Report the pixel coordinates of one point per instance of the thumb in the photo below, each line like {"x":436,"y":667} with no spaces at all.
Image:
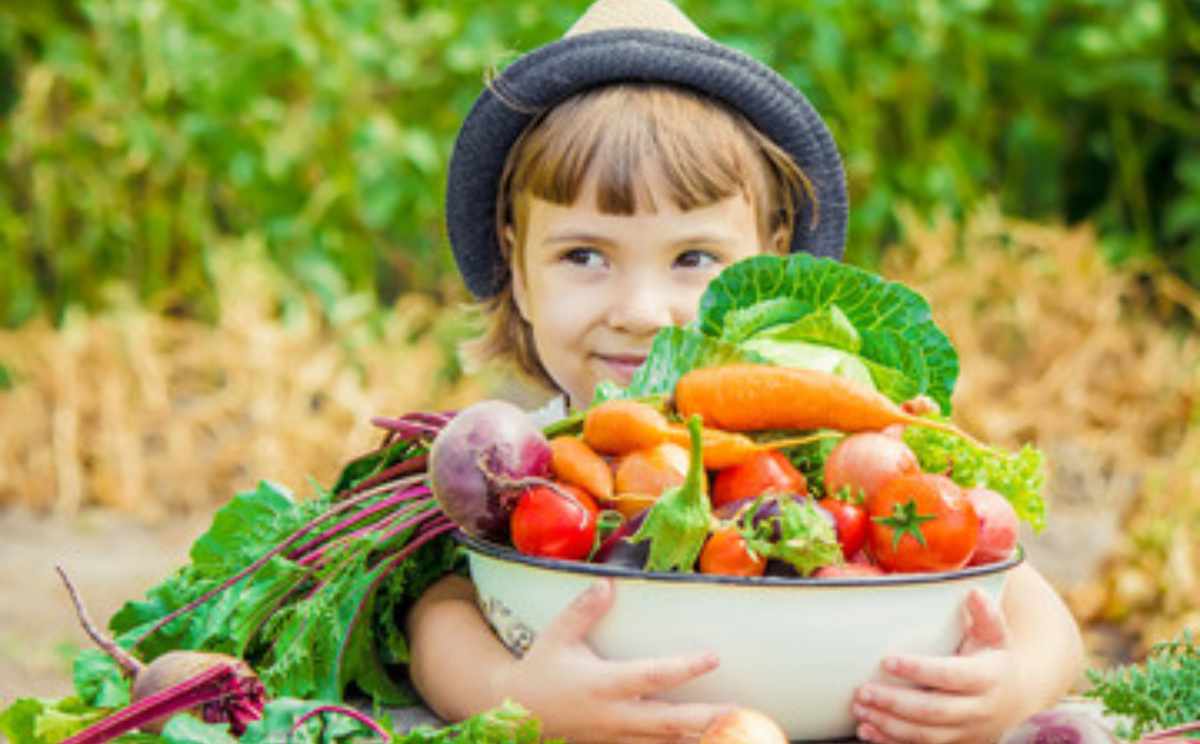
{"x":579,"y":617}
{"x":985,"y":623}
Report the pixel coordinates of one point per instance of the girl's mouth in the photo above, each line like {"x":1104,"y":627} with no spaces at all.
{"x":622,"y":365}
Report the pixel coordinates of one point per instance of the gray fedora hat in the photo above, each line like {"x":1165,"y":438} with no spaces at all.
{"x":622,"y":41}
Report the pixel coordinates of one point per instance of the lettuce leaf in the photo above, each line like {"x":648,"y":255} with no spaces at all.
{"x":1018,"y":476}
{"x":675,"y":351}
{"x":765,"y":303}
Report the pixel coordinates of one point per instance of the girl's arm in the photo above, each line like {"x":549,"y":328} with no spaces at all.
{"x":461,"y":669}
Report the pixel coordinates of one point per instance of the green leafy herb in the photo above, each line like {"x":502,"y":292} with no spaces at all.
{"x":678,"y":523}
{"x":806,"y":539}
{"x":1018,"y":476}
{"x":507,"y":724}
{"x":1162,"y":692}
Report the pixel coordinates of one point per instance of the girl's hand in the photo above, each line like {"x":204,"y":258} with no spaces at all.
{"x":582,"y":697}
{"x":969,"y":698}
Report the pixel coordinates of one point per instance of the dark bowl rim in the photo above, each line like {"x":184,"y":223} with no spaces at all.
{"x":509,"y":555}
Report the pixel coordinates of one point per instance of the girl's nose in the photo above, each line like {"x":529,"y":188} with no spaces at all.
{"x":640,"y":308}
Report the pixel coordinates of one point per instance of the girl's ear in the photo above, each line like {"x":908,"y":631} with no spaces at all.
{"x":519,"y":290}
{"x":778,"y":243}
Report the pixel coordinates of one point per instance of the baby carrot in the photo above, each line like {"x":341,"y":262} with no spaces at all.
{"x":755,"y":397}
{"x":574,"y":462}
{"x":723,"y":449}
{"x":615,"y":427}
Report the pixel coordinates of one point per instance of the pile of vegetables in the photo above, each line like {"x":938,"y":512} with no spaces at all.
{"x":799,"y":427}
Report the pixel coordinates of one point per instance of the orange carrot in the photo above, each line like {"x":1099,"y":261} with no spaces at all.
{"x":572,"y":461}
{"x":615,"y":427}
{"x":755,"y":397}
{"x":642,"y":476}
{"x":723,"y":449}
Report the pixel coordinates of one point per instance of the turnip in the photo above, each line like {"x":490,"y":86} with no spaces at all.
{"x":480,"y":461}
{"x":997,"y":526}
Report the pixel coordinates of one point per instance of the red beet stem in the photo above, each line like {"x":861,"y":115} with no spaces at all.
{"x":406,"y":429}
{"x":402,"y":494}
{"x":411,"y":465}
{"x":408,"y":523}
{"x":210,"y":685}
{"x":1185,"y":728}
{"x":294,"y":537}
{"x":433,"y":529}
{"x":344,"y":711}
{"x":321,"y":550}
{"x":131,"y":665}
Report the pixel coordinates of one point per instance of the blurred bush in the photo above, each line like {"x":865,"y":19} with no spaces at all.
{"x":138,"y":133}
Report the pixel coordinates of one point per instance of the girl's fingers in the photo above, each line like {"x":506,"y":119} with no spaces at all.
{"x":631,"y":679}
{"x":574,"y":622}
{"x":880,"y":728}
{"x":986,"y":626}
{"x":670,"y":721}
{"x":969,"y":675}
{"x":918,"y":706}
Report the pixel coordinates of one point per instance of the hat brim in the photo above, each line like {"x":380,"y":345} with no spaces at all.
{"x":550,"y":74}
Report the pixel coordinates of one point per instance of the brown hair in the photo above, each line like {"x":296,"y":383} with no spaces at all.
{"x":707,"y":152}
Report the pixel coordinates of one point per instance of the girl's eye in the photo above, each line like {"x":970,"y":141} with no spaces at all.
{"x":585,"y":257}
{"x":696,"y":259}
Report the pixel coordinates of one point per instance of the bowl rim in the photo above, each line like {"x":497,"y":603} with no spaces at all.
{"x":509,"y":555}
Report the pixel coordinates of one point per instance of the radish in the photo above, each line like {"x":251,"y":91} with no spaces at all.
{"x":480,"y":461}
{"x":864,"y":462}
{"x":997,"y":526}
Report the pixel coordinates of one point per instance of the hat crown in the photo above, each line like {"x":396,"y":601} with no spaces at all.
{"x":654,"y":15}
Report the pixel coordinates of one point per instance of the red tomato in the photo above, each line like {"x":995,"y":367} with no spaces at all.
{"x":863,"y":462}
{"x":922,"y":522}
{"x":850,"y":521}
{"x":548,"y":524}
{"x":766,"y":471}
{"x":725,"y":553}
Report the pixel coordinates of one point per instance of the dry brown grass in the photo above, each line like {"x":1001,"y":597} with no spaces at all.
{"x":151,"y":415}
{"x":1100,"y":368}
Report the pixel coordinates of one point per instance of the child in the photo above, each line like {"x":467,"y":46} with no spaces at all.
{"x":596,"y":188}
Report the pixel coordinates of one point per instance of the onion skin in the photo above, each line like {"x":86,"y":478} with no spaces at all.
{"x":743,"y":726}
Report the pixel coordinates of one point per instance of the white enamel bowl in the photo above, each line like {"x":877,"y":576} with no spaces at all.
{"x":794,"y":649}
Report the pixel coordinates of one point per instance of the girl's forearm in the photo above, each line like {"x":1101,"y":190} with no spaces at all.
{"x":455,"y":656}
{"x":1045,"y":636}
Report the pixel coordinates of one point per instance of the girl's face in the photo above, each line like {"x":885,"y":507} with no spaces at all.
{"x":596,"y":287}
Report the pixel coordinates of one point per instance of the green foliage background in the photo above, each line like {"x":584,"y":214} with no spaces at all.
{"x":139,"y":137}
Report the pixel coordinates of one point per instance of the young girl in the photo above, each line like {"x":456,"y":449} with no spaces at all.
{"x":596,"y":188}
